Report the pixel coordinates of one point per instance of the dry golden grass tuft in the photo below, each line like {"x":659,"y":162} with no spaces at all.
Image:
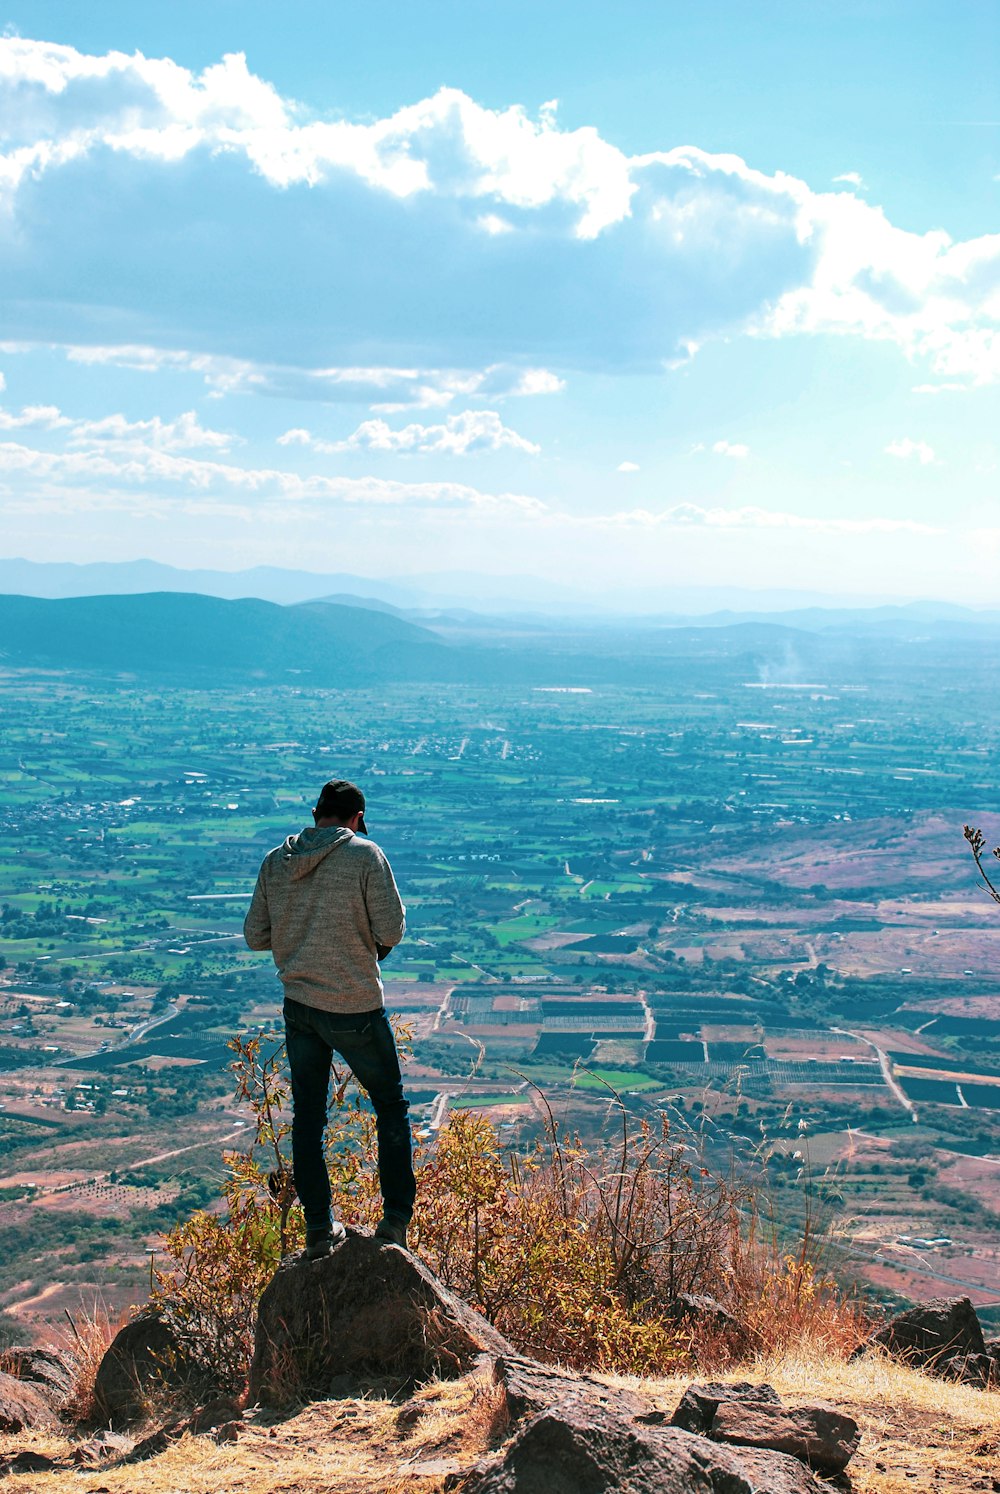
{"x":91,"y":1332}
{"x":920,"y":1435}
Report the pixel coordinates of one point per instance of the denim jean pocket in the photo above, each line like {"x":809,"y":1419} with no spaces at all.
{"x":350,"y":1037}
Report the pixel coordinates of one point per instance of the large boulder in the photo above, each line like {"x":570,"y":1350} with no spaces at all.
{"x":941,"y":1329}
{"x":570,"y":1449}
{"x":145,"y":1359}
{"x":23,"y":1404}
{"x":367,"y":1310}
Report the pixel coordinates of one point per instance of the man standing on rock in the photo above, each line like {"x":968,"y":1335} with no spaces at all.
{"x":327,"y":907}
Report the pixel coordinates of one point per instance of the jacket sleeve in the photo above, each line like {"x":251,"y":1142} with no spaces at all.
{"x":257,"y":924}
{"x":386,"y":913}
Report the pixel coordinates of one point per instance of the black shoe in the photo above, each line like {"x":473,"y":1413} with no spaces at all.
{"x":393,"y":1229}
{"x":320,"y":1242}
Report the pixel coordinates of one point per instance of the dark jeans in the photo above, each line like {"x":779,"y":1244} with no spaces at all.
{"x":365,"y":1042}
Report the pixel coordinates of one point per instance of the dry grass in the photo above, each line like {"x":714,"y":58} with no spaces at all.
{"x":90,"y":1332}
{"x":920,"y":1435}
{"x":330,"y":1447}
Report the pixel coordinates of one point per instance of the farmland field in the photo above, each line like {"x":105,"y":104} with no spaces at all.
{"x":750,"y":936}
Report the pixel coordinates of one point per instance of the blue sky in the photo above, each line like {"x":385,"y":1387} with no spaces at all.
{"x":633,"y":298}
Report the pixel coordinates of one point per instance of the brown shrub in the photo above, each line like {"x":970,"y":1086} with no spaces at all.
{"x":577,"y":1256}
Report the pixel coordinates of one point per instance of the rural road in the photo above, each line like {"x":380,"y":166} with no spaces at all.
{"x":885,"y":1066}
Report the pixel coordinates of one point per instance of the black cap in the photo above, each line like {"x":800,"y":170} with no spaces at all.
{"x":340,"y":800}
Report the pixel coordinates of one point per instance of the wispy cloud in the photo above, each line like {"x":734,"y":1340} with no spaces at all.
{"x":735,"y":449}
{"x":384,"y":388}
{"x":627,"y":467}
{"x":147,"y":467}
{"x":694,"y":516}
{"x":183,"y":434}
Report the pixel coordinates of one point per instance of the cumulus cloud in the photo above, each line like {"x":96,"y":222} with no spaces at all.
{"x":851,"y":179}
{"x":33,"y":417}
{"x":64,"y":104}
{"x":627,"y":467}
{"x":540,"y":242}
{"x":183,"y":434}
{"x":908,"y":450}
{"x":735,"y":449}
{"x":473,"y":430}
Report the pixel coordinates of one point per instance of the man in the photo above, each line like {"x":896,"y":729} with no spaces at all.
{"x":327,"y":907}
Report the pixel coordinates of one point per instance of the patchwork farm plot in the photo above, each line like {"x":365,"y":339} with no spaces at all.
{"x":724,"y":902}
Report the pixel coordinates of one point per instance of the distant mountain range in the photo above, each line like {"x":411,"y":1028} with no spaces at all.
{"x":203,"y":640}
{"x":466,"y":598}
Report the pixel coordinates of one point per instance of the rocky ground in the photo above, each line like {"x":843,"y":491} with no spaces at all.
{"x":407,"y":1391}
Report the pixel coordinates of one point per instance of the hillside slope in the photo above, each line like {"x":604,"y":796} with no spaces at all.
{"x":180,"y":634}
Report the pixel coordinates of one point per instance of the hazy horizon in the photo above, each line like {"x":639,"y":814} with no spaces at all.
{"x":475,"y":592}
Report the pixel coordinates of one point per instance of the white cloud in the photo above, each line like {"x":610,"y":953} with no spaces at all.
{"x":692,"y":244}
{"x":145,"y":467}
{"x":627,"y":467}
{"x":33,"y":417}
{"x":909,"y":450}
{"x":473,"y":430}
{"x":387,"y":389}
{"x":694,"y":516}
{"x":69,"y":104}
{"x":851,"y":179}
{"x":735,"y":449}
{"x":183,"y":434}
{"x":298,"y":436}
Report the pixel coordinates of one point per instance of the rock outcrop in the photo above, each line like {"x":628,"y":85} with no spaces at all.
{"x":49,"y":1368}
{"x":145,"y":1358}
{"x":23,"y":1404}
{"x":943,"y":1337}
{"x":748,"y":1415}
{"x":34,"y":1383}
{"x":370,"y":1310}
{"x":367,"y":1308}
{"x":569,"y":1449}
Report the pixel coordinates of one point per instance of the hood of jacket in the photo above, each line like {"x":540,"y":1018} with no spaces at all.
{"x":305,"y":851}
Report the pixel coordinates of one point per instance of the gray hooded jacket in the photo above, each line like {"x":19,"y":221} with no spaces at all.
{"x":323,"y":901}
